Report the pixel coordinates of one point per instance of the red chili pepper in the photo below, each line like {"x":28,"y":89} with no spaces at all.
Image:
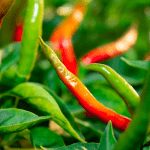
{"x":61,"y":37}
{"x":68,"y":56}
{"x":68,"y":27}
{"x":112,"y":49}
{"x":18,"y":33}
{"x":82,"y":94}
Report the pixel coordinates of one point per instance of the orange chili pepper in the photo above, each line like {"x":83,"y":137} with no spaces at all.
{"x":68,"y":27}
{"x":5,"y":6}
{"x":110,"y":50}
{"x":82,"y":94}
{"x":61,"y":37}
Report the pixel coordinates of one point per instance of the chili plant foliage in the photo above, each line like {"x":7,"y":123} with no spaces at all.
{"x":94,"y":93}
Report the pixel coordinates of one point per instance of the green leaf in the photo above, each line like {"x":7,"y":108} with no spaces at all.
{"x":53,"y":82}
{"x":137,"y":64}
{"x":76,"y":146}
{"x":10,"y":56}
{"x":108,"y":140}
{"x":41,"y":100}
{"x":98,"y":130}
{"x":65,"y":110}
{"x":14,"y":120}
{"x":75,"y":109}
{"x":42,"y":136}
{"x":10,"y":48}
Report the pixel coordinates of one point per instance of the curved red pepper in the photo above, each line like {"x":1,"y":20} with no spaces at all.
{"x":69,"y":26}
{"x":91,"y":105}
{"x":112,"y":49}
{"x":68,"y":56}
{"x":82,"y":94}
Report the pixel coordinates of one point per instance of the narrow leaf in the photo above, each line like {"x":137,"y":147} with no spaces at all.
{"x":108,"y":140}
{"x":46,"y":138}
{"x":65,"y":110}
{"x":137,"y":64}
{"x":10,"y":56}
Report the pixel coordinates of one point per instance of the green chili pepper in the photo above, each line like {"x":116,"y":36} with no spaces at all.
{"x":29,"y":46}
{"x":124,"y":89}
{"x":134,"y":136}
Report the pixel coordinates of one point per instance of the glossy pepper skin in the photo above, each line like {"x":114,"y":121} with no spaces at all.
{"x":134,"y":136}
{"x":29,"y":44}
{"x":110,"y":50}
{"x":125,"y":90}
{"x":82,"y":94}
{"x":5,"y":6}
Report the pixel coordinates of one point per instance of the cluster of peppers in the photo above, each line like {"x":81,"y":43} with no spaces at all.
{"x":67,"y":70}
{"x":61,"y":43}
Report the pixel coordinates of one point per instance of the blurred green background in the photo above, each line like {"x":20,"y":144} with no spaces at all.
{"x":104,"y":22}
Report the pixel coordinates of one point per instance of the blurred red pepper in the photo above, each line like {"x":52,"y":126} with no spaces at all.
{"x":18,"y":33}
{"x":69,"y":26}
{"x":61,"y":37}
{"x":110,"y":50}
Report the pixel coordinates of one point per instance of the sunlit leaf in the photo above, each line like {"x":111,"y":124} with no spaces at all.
{"x":41,"y":100}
